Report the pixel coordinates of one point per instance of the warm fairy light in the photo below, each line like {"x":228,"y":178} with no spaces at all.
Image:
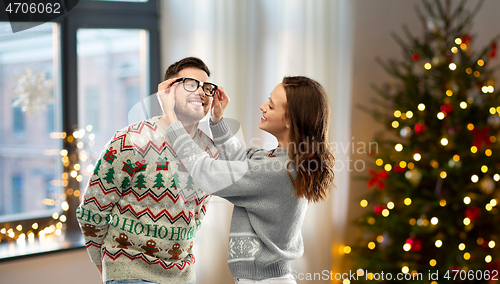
{"x":65,"y":206}
{"x":488,"y":259}
{"x":79,"y":145}
{"x":442,"y":203}
{"x":477,"y":74}
{"x":463,"y":46}
{"x":452,"y":66}
{"x":427,"y":66}
{"x":433,"y":262}
{"x":456,"y":158}
{"x":454,"y":49}
{"x":19,"y":227}
{"x":440,"y":115}
{"x":409,"y":114}
{"x":363,"y":203}
{"x":76,"y":167}
{"x":421,"y":107}
{"x":480,"y":241}
{"x":73,"y":174}
{"x":474,"y":178}
{"x":390,"y":205}
{"x":347,"y":249}
{"x":417,"y":157}
{"x":480,"y":62}
{"x":398,"y":147}
{"x":458,"y":41}
{"x":491,"y":89}
{"x":88,"y":128}
{"x":466,"y":256}
{"x":493,"y":110}
{"x":402,"y":164}
{"x":463,"y":105}
{"x":371,"y":245}
{"x":484,"y":168}
{"x":443,"y":174}
{"x":371,"y":220}
{"x":79,"y":178}
{"x":444,"y":141}
{"x":488,"y":207}
{"x":438,"y":243}
{"x":484,"y":89}
{"x":395,"y":124}
{"x":407,"y":247}
{"x":468,"y":70}
{"x":467,"y":200}
{"x":491,"y":244}
{"x":461,"y":246}
{"x":407,"y":201}
{"x":385,"y":212}
{"x":470,"y":126}
{"x":34,"y":226}
{"x":413,"y":221}
{"x":62,"y":218}
{"x":77,"y":193}
{"x":466,"y":221}
{"x":434,"y":220}
{"x":410,"y":165}
{"x":488,"y":152}
{"x":449,"y":93}
{"x":64,"y":152}
{"x":388,"y":167}
{"x":493,"y":202}
{"x":380,"y":238}
{"x":379,"y":162}
{"x":496,"y":177}
{"x":473,"y":149}
{"x":55,"y":216}
{"x":397,"y":113}
{"x":405,"y":269}
{"x":434,"y":164}
{"x":498,"y":110}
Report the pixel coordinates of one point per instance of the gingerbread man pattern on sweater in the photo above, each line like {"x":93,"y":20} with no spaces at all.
{"x":141,"y":209}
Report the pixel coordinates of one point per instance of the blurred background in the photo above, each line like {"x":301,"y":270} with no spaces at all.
{"x":66,"y":86}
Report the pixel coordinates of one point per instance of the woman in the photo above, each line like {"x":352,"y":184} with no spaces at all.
{"x":270,"y":190}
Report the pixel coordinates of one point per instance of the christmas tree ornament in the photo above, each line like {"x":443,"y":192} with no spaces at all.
{"x":487,"y":184}
{"x":414,"y":176}
{"x":377,"y":179}
{"x":32,"y":92}
{"x":473,"y":213}
{"x":377,"y":209}
{"x":481,"y":137}
{"x":415,"y":56}
{"x":420,"y":128}
{"x":405,"y":132}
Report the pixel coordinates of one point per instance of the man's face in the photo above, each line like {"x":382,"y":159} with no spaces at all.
{"x":191,"y":106}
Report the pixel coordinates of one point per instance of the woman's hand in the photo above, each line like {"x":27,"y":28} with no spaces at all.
{"x":166,"y":98}
{"x":219,"y":105}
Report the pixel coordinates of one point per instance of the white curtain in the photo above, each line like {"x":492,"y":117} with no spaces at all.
{"x":249,"y":46}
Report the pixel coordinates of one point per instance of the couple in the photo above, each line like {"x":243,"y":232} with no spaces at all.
{"x":150,"y":187}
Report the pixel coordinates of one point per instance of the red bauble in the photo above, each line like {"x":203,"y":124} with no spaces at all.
{"x":446,"y":109}
{"x":466,"y":39}
{"x":415,"y":244}
{"x":473,"y":213}
{"x":415,"y":56}
{"x":420,"y":128}
{"x":493,"y":50}
{"x":378,"y":209}
{"x":399,"y":170}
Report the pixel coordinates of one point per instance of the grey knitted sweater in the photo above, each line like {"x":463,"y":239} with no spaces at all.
{"x":267,"y":216}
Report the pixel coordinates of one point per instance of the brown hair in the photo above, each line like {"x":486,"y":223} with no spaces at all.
{"x":187,"y":62}
{"x":308,"y":110}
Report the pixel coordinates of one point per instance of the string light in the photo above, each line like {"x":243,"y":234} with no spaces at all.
{"x":467,"y":200}
{"x":442,"y":203}
{"x":496,"y":177}
{"x":363,"y":203}
{"x":474,"y":178}
{"x":454,"y":49}
{"x":466,"y":221}
{"x":405,"y":269}
{"x":379,"y":162}
{"x":463,"y":105}
{"x":444,"y":141}
{"x":432,"y":262}
{"x":473,"y":149}
{"x":493,"y":202}
{"x":407,"y":201}
{"x":390,"y":205}
{"x":409,"y":114}
{"x":466,"y":256}
{"x":488,"y":259}
{"x":440,"y":115}
{"x":434,"y":220}
{"x":468,"y":70}
{"x":461,"y":246}
{"x":417,"y":157}
{"x":449,"y":93}
{"x":421,"y":107}
{"x":452,"y":66}
{"x":371,"y":245}
{"x":388,"y":167}
{"x":458,"y":41}
{"x":491,"y":244}
{"x":427,"y":66}
{"x":398,"y":147}
{"x":395,"y":124}
{"x":397,"y":113}
{"x":438,"y":243}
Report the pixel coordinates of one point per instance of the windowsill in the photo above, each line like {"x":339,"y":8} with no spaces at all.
{"x":51,"y":244}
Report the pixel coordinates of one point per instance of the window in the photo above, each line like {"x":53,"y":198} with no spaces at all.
{"x":53,"y":130}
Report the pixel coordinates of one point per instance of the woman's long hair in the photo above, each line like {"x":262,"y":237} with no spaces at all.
{"x":310,"y":151}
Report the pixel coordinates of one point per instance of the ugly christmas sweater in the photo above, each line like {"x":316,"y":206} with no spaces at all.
{"x":142,"y":209}
{"x":267,"y":216}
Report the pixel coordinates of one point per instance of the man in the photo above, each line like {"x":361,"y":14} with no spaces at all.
{"x":141,"y":209}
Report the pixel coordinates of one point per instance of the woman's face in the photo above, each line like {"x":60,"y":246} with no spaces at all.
{"x":273,"y":118}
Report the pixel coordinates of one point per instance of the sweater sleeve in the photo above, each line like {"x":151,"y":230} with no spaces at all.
{"x":102,"y":193}
{"x":230,"y":147}
{"x":221,"y":178}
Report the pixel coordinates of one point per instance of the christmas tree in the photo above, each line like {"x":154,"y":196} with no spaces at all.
{"x":189,"y":183}
{"x":175,"y":183}
{"x":140,"y":182}
{"x":110,"y":176}
{"x":159,"y":181}
{"x":432,"y":206}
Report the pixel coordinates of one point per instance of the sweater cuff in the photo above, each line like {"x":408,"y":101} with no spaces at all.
{"x":175,"y":130}
{"x":220,"y":131}
{"x":95,"y":254}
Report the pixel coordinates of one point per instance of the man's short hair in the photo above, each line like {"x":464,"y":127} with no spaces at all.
{"x":187,"y":62}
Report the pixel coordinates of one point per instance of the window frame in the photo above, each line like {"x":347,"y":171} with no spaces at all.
{"x":92,"y":15}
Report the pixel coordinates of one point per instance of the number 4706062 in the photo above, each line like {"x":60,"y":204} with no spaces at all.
{"x":472,"y":275}
{"x":34,"y":8}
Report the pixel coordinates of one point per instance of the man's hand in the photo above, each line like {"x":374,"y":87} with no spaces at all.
{"x":166,"y":97}
{"x":219,"y":105}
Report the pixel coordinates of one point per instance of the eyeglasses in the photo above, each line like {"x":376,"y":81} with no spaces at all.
{"x":191,"y":85}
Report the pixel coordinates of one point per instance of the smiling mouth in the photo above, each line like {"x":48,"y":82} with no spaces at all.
{"x":197,"y":103}
{"x":262,"y":118}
